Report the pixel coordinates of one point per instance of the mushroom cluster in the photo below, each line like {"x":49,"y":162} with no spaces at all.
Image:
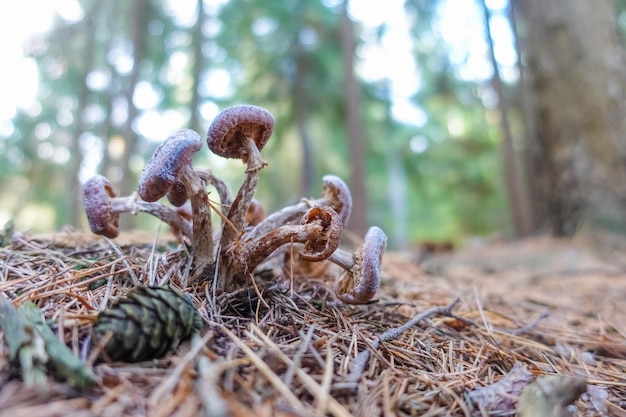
{"x":246,"y":237}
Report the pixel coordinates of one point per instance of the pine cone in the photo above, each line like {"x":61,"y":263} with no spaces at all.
{"x":147,"y":323}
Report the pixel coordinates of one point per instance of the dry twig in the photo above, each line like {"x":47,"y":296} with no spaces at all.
{"x":360,"y":362}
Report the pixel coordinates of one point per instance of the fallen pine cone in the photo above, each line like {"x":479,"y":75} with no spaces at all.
{"x":147,"y":323}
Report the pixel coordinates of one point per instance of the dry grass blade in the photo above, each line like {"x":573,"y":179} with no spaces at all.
{"x":117,"y":250}
{"x":268,"y":373}
{"x":168,"y":384}
{"x":222,"y":216}
{"x":151,"y":266}
{"x":316,"y":390}
{"x":327,"y":379}
{"x":299,"y":352}
{"x":213,"y":404}
{"x":360,"y":362}
{"x":304,"y":345}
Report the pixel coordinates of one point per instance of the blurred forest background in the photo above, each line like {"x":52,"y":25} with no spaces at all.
{"x":423,"y":106}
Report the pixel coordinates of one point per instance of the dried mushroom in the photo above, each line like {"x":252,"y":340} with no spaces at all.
{"x":247,"y":237}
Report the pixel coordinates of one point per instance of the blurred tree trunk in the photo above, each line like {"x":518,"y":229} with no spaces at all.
{"x":198,"y":65}
{"x":576,"y":66}
{"x":519,"y":201}
{"x":356,"y":138}
{"x":74,"y":205}
{"x":107,"y":129}
{"x":523,"y":103}
{"x":301,"y":116}
{"x":138,"y":24}
{"x":397,"y":198}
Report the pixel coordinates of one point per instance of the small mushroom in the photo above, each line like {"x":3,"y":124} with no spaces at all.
{"x":171,"y":163}
{"x":362,"y":277}
{"x":335,"y":193}
{"x":318,"y":235}
{"x":169,"y":166}
{"x":177,"y":195}
{"x":98,"y":194}
{"x":103,"y":209}
{"x":241,"y":132}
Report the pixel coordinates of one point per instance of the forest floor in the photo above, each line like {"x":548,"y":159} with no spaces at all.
{"x":535,"y":307}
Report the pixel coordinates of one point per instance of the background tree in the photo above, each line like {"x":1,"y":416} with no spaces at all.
{"x":576,"y":74}
{"x":354,"y":124}
{"x":517,"y":190}
{"x":139,"y":16}
{"x":157,"y":66}
{"x":286,"y":57}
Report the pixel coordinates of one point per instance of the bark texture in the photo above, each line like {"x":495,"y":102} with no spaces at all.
{"x":521,"y":213}
{"x":139,"y":22}
{"x":575,"y":63}
{"x":356,"y":137}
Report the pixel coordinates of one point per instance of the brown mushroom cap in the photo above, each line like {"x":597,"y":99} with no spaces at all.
{"x":363,"y":276}
{"x":97,"y":195}
{"x":233,"y":124}
{"x":177,"y":195}
{"x":337,"y":194}
{"x":318,"y":236}
{"x":316,"y":250}
{"x":168,"y":163}
{"x":372,"y":254}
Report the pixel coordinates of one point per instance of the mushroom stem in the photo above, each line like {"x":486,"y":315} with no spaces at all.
{"x":343,"y":258}
{"x":287,"y":215}
{"x":259,"y":249}
{"x":170,"y":164}
{"x":253,"y":158}
{"x":202,"y":236}
{"x":223,"y":192}
{"x":239,"y":207}
{"x":134,"y":205}
{"x":318,"y":235}
{"x":103,"y":208}
{"x":335,"y":194}
{"x":362,"y":277}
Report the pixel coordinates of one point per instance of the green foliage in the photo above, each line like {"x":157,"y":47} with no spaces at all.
{"x":439,"y":180}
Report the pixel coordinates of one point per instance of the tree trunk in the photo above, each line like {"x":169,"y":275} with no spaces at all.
{"x":519,"y":202}
{"x":107,"y":129}
{"x":356,"y":138}
{"x":198,"y":64}
{"x":301,"y":117}
{"x":576,"y":66}
{"x":138,"y":23}
{"x":397,"y":193}
{"x":524,"y":105}
{"x":75,"y":205}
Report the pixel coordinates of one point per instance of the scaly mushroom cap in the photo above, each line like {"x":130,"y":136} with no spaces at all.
{"x":233,"y":124}
{"x":177,"y":195}
{"x":338,"y":196}
{"x":318,"y":236}
{"x":167,"y":164}
{"x":97,"y":195}
{"x":316,"y":250}
{"x":359,"y":285}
